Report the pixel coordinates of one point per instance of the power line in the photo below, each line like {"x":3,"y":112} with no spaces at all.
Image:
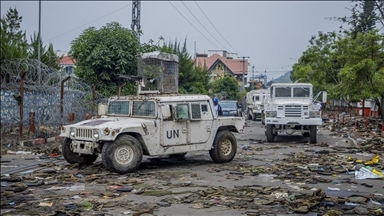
{"x":193,"y":25}
{"x":204,"y":27}
{"x":216,"y":28}
{"x":87,"y":23}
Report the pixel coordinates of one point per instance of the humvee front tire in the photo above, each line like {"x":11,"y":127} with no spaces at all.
{"x":224,"y":147}
{"x":269,"y":133}
{"x":72,"y":157}
{"x":123,"y":155}
{"x":312,"y":134}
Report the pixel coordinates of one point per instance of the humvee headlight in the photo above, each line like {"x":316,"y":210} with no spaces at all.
{"x":233,"y":112}
{"x":95,"y":133}
{"x":106,"y":131}
{"x":72,"y":131}
{"x":305,"y":113}
{"x":63,"y":129}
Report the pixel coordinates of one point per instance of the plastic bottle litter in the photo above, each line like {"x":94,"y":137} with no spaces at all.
{"x":27,"y":172}
{"x":18,"y":152}
{"x":333,"y":189}
{"x":351,"y":204}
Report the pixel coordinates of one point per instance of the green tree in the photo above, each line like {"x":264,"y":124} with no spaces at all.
{"x":13,"y":42}
{"x":227,"y":87}
{"x":365,"y":15}
{"x":47,"y":56}
{"x":192,"y":79}
{"x":320,"y":65}
{"x":102,"y":54}
{"x":364,"y":68}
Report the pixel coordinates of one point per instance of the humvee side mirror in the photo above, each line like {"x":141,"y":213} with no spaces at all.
{"x":182,"y":112}
{"x":102,"y":109}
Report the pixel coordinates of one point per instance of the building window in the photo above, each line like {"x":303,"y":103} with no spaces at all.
{"x":69,"y":70}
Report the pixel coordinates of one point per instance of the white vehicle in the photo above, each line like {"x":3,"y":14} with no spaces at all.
{"x":255,"y":103}
{"x":153,"y":124}
{"x":290,"y":108}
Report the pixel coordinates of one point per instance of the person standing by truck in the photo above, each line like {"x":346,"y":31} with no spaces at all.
{"x":217,"y":107}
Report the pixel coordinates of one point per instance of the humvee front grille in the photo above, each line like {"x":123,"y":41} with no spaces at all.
{"x":86,"y":133}
{"x":292,"y":111}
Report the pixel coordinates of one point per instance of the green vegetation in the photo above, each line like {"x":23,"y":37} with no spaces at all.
{"x":349,"y":64}
{"x":14,"y":45}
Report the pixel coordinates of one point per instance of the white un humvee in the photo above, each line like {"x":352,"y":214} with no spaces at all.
{"x":134,"y":126}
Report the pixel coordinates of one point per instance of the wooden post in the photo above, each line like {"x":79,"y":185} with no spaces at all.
{"x":71,"y":117}
{"x":21,"y":103}
{"x":32,"y":127}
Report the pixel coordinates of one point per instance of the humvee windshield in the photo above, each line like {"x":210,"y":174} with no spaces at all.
{"x":144,"y":108}
{"x":118,"y":107}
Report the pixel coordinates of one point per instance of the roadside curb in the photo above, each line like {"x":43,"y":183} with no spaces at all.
{"x":39,"y":141}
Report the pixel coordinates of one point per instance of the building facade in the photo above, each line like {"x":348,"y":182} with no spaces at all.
{"x":220,"y":63}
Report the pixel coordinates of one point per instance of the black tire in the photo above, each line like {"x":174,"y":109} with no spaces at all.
{"x":269,"y":133}
{"x":127,"y":145}
{"x":72,"y":157}
{"x":224,"y":147}
{"x":312,"y":134}
{"x":306,"y":134}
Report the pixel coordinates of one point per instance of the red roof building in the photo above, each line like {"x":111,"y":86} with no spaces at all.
{"x":223,"y":64}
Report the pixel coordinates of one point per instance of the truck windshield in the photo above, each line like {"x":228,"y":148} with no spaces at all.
{"x":283,"y":92}
{"x":118,"y":107}
{"x":301,"y":92}
{"x":228,"y":104}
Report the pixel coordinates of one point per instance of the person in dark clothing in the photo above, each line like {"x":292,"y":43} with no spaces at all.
{"x":216,"y":105}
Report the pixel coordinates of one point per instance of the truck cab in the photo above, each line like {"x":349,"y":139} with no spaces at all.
{"x":290,"y":109}
{"x":255,"y":104}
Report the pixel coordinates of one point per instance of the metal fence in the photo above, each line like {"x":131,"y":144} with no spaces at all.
{"x":46,"y":97}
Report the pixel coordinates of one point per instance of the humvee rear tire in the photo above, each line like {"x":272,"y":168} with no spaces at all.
{"x":312,"y":134}
{"x":72,"y":157}
{"x":123,"y":155}
{"x":269,"y":133}
{"x":224,"y":147}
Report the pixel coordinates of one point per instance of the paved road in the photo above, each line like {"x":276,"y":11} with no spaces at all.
{"x":199,"y":172}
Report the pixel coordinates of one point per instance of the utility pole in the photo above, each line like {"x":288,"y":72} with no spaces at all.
{"x":39,"y":45}
{"x":243,"y":57}
{"x":135,"y":25}
{"x":253,"y":79}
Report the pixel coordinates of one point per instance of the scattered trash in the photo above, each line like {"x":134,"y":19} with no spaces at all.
{"x":333,"y":189}
{"x":46,"y":204}
{"x":365,"y":173}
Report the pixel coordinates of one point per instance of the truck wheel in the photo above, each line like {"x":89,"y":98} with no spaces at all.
{"x":312,"y":134}
{"x":72,"y":157}
{"x":123,"y":155}
{"x":270,"y":134}
{"x":306,"y":134}
{"x":224,"y":147}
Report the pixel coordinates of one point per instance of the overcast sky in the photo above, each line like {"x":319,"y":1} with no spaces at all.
{"x":273,"y":34}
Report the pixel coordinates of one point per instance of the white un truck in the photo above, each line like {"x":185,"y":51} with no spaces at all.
{"x":290,"y":108}
{"x":255,"y":103}
{"x":151,"y":123}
